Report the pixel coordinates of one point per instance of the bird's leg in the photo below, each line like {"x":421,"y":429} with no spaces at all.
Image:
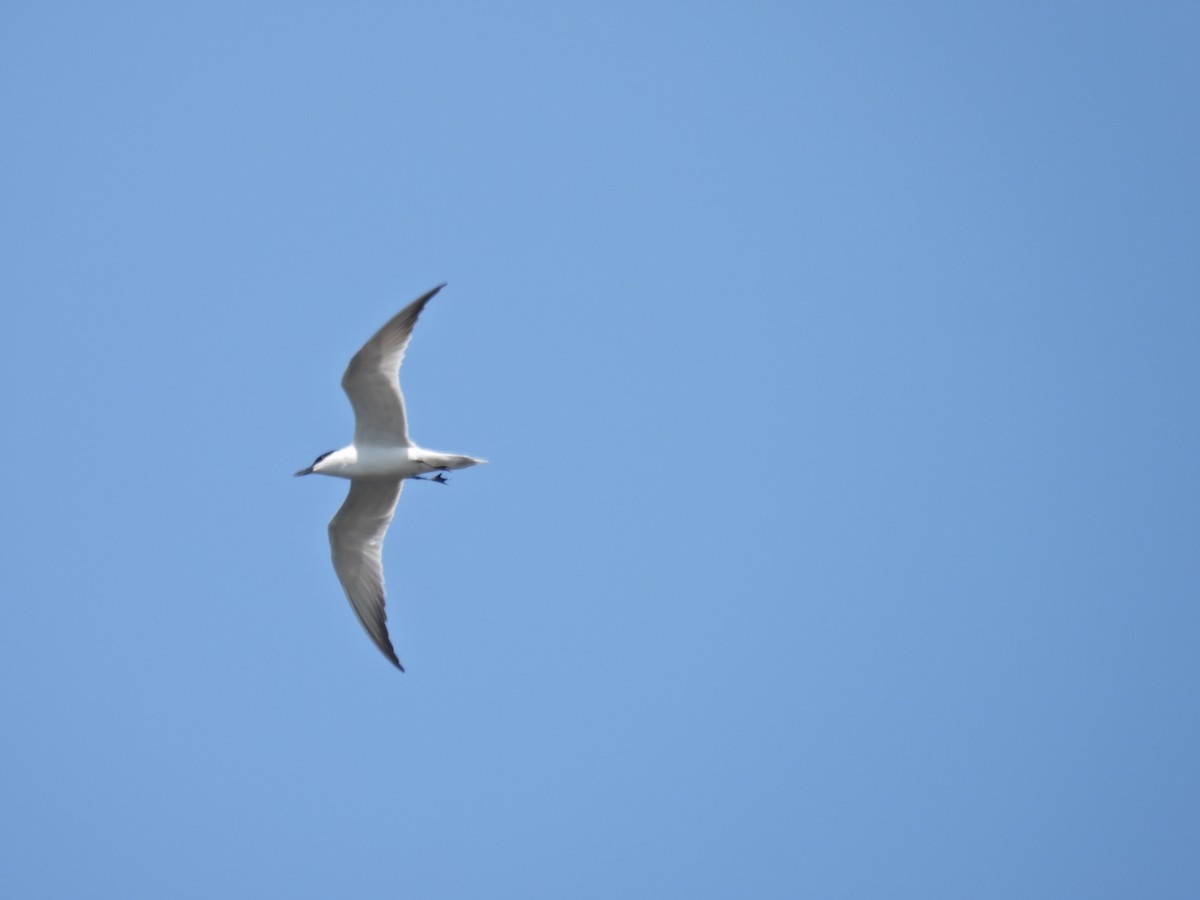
{"x":431,"y":466}
{"x":422,"y":462}
{"x":439,"y":478}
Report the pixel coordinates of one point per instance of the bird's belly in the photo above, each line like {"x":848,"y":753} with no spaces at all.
{"x":380,"y":462}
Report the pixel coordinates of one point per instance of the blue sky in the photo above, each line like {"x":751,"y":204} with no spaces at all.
{"x":837,"y":365}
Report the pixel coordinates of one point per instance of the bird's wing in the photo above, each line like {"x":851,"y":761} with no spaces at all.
{"x":356,"y":541}
{"x":371,"y":381}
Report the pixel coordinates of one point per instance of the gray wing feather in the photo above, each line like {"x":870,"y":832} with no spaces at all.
{"x":371,"y":380}
{"x":356,"y":542}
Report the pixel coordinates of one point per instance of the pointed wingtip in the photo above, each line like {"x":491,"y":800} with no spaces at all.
{"x":391,"y":656}
{"x":390,"y":652}
{"x":417,"y":305}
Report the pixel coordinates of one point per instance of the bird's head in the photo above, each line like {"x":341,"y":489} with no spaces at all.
{"x":315,"y":467}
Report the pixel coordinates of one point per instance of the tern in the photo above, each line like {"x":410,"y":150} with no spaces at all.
{"x":377,"y":462}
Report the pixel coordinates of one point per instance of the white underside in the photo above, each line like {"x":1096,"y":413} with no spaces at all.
{"x":368,"y":461}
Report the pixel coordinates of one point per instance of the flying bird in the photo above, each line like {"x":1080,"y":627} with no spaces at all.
{"x":377,"y":462}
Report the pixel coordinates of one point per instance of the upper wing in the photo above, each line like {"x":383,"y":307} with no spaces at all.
{"x":356,"y":540}
{"x":371,"y":381}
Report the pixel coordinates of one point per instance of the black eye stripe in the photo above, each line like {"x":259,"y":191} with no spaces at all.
{"x":321,"y":457}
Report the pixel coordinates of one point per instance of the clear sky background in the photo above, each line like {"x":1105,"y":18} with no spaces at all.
{"x":839,"y":369}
